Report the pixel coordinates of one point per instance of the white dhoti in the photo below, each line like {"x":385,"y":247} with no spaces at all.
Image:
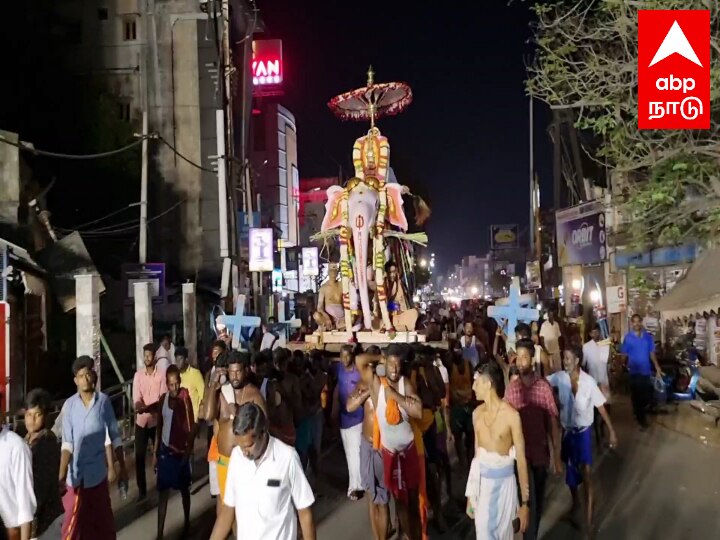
{"x":337,"y":316}
{"x":492,"y":492}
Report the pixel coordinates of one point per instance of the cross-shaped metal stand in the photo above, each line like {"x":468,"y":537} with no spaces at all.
{"x":235,"y":323}
{"x":513,"y":312}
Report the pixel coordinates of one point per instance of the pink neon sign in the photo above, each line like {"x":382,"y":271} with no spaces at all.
{"x":267,"y":65}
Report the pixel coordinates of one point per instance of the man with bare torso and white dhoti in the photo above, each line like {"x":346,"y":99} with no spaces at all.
{"x":330,"y":314}
{"x":492,"y":489}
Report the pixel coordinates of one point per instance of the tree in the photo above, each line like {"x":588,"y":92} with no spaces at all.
{"x":586,"y":61}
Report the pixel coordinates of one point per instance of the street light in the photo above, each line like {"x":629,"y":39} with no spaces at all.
{"x":423,"y":263}
{"x":474,"y":291}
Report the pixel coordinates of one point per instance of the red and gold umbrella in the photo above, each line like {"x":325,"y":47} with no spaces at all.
{"x":372,"y":101}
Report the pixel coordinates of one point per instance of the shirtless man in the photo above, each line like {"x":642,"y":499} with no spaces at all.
{"x":371,"y":462}
{"x":220,"y":404}
{"x":402,"y":315}
{"x":499,"y":444}
{"x":461,"y":403}
{"x":396,"y":403}
{"x":280,"y":413}
{"x":330,"y":314}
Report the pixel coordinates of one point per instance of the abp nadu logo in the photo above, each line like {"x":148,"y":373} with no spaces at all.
{"x":674,"y":69}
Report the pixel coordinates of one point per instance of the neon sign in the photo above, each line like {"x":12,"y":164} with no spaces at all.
{"x":267,"y":66}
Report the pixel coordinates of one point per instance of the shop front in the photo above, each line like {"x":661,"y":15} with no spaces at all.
{"x":582,"y":255}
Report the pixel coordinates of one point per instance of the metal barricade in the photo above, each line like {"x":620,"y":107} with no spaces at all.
{"x":121,"y":398}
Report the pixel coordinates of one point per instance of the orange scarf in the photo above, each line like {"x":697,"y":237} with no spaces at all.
{"x":419,"y":446}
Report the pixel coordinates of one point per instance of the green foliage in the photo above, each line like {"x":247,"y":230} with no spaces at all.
{"x":586,"y":60}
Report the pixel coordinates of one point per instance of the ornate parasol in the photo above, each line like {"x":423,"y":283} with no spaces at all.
{"x":372,"y":101}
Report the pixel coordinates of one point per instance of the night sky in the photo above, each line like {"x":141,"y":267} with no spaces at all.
{"x":462,"y":143}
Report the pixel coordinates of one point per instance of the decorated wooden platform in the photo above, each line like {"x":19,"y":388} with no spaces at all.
{"x":333,"y":341}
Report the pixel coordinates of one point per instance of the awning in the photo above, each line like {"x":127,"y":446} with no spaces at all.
{"x":697,"y":292}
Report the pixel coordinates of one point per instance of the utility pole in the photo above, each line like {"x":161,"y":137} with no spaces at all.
{"x":532,"y":180}
{"x":142,"y":256}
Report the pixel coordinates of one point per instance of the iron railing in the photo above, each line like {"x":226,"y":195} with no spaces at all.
{"x":121,"y":398}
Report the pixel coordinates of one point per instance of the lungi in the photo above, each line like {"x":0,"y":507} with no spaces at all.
{"x":492,"y":491}
{"x":88,"y":513}
{"x":402,"y":471}
{"x":173,"y":470}
{"x":576,"y":451}
{"x":372,"y":473}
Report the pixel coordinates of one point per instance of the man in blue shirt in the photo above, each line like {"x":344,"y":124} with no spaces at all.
{"x":83,"y":468}
{"x":639,"y":348}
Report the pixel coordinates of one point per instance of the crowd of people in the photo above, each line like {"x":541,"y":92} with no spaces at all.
{"x":512,"y":414}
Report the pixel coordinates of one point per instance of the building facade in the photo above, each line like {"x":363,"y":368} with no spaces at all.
{"x":277,"y":177}
{"x":174,"y":60}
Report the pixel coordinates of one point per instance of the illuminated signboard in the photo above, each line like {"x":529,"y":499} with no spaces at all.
{"x":267,"y":65}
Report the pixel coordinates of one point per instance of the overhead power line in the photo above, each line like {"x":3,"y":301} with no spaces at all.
{"x":27,"y":147}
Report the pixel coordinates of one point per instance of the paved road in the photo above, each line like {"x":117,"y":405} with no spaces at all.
{"x":658,"y":484}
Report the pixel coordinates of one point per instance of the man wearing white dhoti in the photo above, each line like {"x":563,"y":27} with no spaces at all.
{"x":491,"y":489}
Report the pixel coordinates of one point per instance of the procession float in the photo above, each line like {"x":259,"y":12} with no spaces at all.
{"x":372,"y":301}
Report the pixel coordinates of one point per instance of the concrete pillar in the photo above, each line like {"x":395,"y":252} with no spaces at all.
{"x":143,"y":320}
{"x":87,"y":319}
{"x":190,"y":321}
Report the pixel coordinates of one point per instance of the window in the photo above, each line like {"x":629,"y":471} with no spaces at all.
{"x":102,"y":14}
{"x":124,"y":110}
{"x":130,"y":28}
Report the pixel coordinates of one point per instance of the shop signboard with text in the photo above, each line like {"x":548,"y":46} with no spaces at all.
{"x":581,"y":235}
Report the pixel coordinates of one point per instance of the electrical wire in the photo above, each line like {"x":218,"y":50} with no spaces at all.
{"x":186,"y":159}
{"x":111,"y":214}
{"x":22,"y":145}
{"x":108,"y":231}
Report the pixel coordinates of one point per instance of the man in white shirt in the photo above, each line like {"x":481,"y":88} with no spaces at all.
{"x":579,"y":397}
{"x":595,"y":360}
{"x":265,"y":485}
{"x":17,"y":495}
{"x":550,"y":335}
{"x":269,"y":339}
{"x":165,"y":355}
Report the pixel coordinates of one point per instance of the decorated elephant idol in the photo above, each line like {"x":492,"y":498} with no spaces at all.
{"x":362,"y":211}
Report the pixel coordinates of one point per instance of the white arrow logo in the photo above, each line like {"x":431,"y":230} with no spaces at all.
{"x":675,"y":42}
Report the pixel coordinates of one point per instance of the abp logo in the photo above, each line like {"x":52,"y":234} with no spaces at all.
{"x":674,"y":69}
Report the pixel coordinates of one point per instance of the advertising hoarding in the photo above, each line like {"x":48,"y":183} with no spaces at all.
{"x":261,"y":250}
{"x":581,"y":235}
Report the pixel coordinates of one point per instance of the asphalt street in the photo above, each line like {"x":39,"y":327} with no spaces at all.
{"x":657,"y":484}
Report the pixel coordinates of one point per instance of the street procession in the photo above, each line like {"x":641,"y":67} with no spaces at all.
{"x":232,"y":312}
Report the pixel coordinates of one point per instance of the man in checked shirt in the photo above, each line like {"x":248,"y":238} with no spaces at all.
{"x":532,"y":396}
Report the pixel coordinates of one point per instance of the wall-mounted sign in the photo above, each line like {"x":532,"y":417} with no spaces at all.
{"x":267,"y":64}
{"x":310,"y":261}
{"x":616,"y":299}
{"x":581,"y":235}
{"x":504,"y":236}
{"x":243,"y":223}
{"x":665,"y":256}
{"x":261,"y":250}
{"x":152,"y":273}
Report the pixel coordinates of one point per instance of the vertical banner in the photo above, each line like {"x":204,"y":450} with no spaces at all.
{"x":310,"y":261}
{"x":261,"y":250}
